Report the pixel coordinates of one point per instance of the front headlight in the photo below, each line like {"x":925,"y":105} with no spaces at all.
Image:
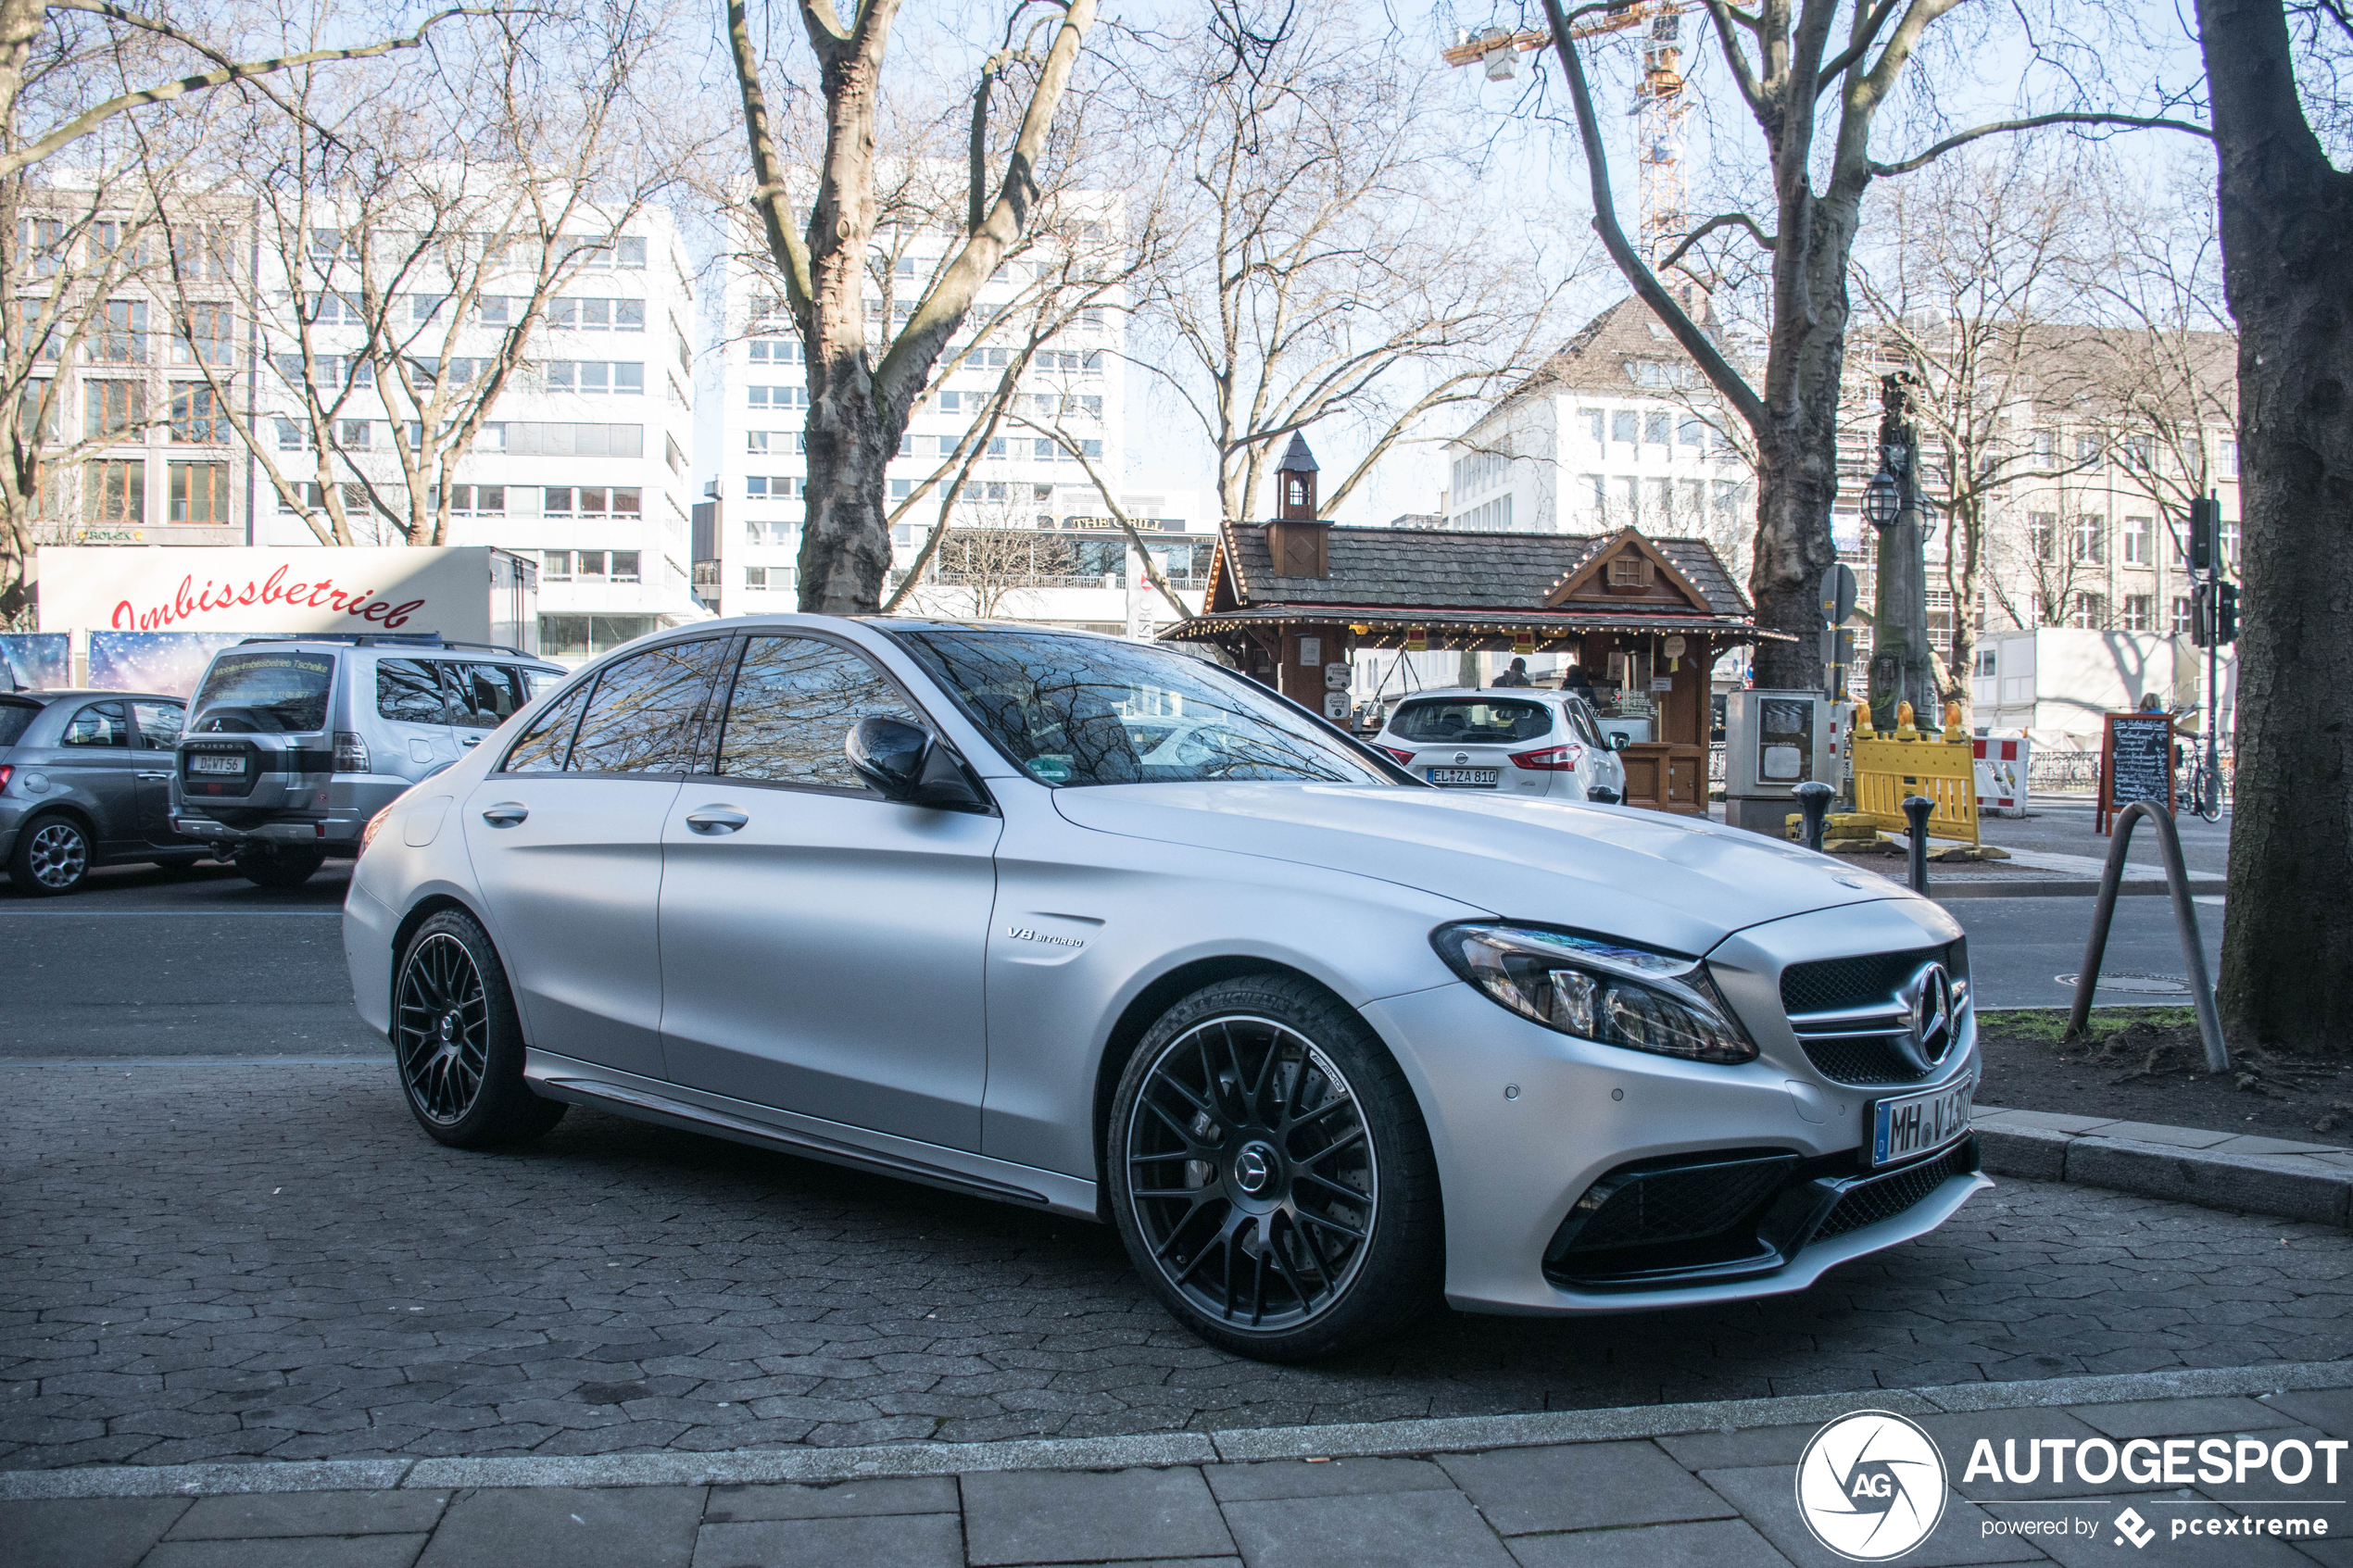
{"x":1599,"y":990}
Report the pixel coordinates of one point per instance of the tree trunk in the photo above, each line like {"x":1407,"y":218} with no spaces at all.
{"x":2287,"y":268}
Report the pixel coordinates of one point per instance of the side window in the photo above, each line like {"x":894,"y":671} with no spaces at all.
{"x":547,"y":743}
{"x":101,"y":723}
{"x":482,"y":697}
{"x":407,"y":689}
{"x":158,"y":723}
{"x":643,"y":716}
{"x":1581,"y":718}
{"x":796,"y":699}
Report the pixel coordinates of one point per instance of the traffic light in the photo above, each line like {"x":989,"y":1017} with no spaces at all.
{"x":2206,"y":533}
{"x":2226,"y":614}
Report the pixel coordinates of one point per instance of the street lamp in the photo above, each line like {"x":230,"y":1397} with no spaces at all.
{"x":1883,"y":500}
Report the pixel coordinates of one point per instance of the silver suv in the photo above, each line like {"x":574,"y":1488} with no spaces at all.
{"x":294,"y":742}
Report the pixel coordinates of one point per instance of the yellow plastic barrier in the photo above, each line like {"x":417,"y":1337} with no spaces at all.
{"x":1887,"y":770}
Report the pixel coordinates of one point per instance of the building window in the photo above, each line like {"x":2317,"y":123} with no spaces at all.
{"x":597,"y":315}
{"x":1478,"y":471}
{"x":2091,"y":538}
{"x":621,"y":377}
{"x":2046,"y":448}
{"x":555,"y":566}
{"x":778,"y":396}
{"x":2043,"y":529}
{"x":1690,"y":433}
{"x":775,"y":351}
{"x":2140,"y":612}
{"x":2182,"y":615}
{"x":114,"y":411}
{"x":120,"y":333}
{"x":756,"y":577}
{"x":2087,"y":451}
{"x":2140,"y":546}
{"x":45,"y":243}
{"x":2230,"y":542}
{"x":1621,"y":426}
{"x":197,"y":414}
{"x":2091,"y":612}
{"x":2139,"y":452}
{"x":772,"y":487}
{"x":114,"y":493}
{"x":200,"y":493}
{"x":2230,"y":459}
{"x":1654,"y":429}
{"x":208,"y":336}
{"x":355,"y":436}
{"x":478,"y":500}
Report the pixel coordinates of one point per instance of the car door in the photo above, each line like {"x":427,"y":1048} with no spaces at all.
{"x":94,"y":761}
{"x":823,"y":946}
{"x":413,"y":732}
{"x":157,"y":725}
{"x":566,"y":843}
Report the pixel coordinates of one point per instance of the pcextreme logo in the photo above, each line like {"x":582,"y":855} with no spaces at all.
{"x":1871,"y":1485}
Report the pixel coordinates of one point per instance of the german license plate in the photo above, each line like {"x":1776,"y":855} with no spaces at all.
{"x":1464,"y":778}
{"x":1909,"y":1125}
{"x":216,"y":764}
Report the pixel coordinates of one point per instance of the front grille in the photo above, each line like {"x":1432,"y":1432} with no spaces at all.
{"x":1855,"y":983}
{"x":1866,"y":1061}
{"x":1883,"y":1197}
{"x":1682,"y":1203}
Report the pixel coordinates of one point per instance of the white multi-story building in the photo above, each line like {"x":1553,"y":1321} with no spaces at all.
{"x":1030,"y":537}
{"x":581,"y":463}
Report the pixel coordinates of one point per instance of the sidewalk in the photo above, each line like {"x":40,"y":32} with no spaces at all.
{"x":1643,"y":1487}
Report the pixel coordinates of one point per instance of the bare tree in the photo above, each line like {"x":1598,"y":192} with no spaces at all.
{"x":860,"y":396}
{"x":1328,"y":266}
{"x":1815,"y":89}
{"x":413,"y":255}
{"x":2287,"y":270}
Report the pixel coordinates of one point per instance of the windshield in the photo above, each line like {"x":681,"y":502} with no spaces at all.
{"x":1453,"y":720}
{"x":1086,"y":711}
{"x":283,"y":693}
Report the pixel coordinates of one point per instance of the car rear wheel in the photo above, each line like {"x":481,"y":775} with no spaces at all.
{"x":1270,"y":1174}
{"x":458,"y":1041}
{"x":51,"y":856}
{"x":286,"y":867}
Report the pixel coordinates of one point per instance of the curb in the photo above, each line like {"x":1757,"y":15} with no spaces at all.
{"x":2254,"y":1175}
{"x":890,"y":1460}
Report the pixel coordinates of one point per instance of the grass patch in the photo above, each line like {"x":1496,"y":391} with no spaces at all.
{"x":2047,"y":1026}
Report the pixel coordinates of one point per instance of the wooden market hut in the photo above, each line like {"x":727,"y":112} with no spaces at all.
{"x":1645,"y":618}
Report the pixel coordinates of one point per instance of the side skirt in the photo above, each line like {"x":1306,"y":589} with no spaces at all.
{"x":673,"y":1105}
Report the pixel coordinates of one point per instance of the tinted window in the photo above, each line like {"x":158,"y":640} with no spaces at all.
{"x":545,"y":745}
{"x":284,"y":693}
{"x":1089,"y":710}
{"x":482,"y":697}
{"x":795,"y":701}
{"x":101,"y":723}
{"x":642,"y":717}
{"x":14,"y":717}
{"x":1581,"y":718}
{"x":409,"y":690}
{"x":158,"y":723}
{"x":1453,"y":721}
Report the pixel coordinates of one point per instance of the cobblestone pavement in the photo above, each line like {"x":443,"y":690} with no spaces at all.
{"x":228,"y":1261}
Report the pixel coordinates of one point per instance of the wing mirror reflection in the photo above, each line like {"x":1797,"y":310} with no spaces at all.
{"x":1618,"y":740}
{"x":906,"y":763}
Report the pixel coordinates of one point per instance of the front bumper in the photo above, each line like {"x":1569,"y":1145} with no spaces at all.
{"x":1525,"y":1122}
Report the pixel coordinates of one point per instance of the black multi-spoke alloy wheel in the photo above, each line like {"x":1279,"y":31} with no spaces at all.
{"x":1271,"y":1175}
{"x":51,"y":856}
{"x":458,"y":1042}
{"x":283,"y":868}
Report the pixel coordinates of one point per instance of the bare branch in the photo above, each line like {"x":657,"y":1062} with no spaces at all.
{"x":2030,"y":122}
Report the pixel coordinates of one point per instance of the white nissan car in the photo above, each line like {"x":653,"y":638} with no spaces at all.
{"x":1068,"y":922}
{"x":1521,"y":740}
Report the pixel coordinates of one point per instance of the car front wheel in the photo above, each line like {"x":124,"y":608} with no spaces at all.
{"x":51,"y":857}
{"x":1270,"y":1174}
{"x":459,"y":1040}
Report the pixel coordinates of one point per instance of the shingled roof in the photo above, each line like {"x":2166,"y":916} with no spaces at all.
{"x":1438,"y":569}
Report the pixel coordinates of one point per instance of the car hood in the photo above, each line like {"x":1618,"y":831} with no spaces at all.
{"x":1670,"y":881}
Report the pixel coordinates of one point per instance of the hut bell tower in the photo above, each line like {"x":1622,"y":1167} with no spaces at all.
{"x":1297,"y":538}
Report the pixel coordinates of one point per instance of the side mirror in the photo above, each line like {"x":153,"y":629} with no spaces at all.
{"x":1618,"y":740}
{"x":907,"y":764}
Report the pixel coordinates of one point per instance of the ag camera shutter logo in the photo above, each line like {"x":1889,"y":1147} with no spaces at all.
{"x":1871,"y":1485}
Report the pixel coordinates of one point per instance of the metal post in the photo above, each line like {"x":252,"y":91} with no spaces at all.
{"x":2177,"y":881}
{"x":1813,"y":801}
{"x":2213,"y":696}
{"x":1916,"y":810}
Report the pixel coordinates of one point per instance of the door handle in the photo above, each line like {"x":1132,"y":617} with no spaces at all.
{"x":716,"y":818}
{"x":470,"y":740}
{"x":505,"y":814}
{"x":147,"y":775}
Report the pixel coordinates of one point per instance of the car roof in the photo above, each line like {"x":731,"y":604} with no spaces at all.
{"x":399,"y":649}
{"x":67,"y":693}
{"x":1538,"y":692}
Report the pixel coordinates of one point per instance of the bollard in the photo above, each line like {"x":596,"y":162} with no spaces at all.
{"x":1813,"y":800}
{"x":1916,"y":810}
{"x":2177,"y":882}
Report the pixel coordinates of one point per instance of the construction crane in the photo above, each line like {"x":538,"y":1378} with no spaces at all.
{"x":1663,"y":189}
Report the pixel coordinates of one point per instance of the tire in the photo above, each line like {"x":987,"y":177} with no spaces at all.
{"x":286,"y":867}
{"x":51,"y":856}
{"x":458,"y":1042}
{"x":1340,"y":1241}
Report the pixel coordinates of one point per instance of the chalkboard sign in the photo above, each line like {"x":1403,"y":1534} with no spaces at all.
{"x":2136,"y":763}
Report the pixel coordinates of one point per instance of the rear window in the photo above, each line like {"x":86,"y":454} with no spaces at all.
{"x":1455,"y":721}
{"x":14,"y":717}
{"x":269,"y":692}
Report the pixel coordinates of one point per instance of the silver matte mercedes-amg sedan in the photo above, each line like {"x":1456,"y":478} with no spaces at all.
{"x":1106,"y":928}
